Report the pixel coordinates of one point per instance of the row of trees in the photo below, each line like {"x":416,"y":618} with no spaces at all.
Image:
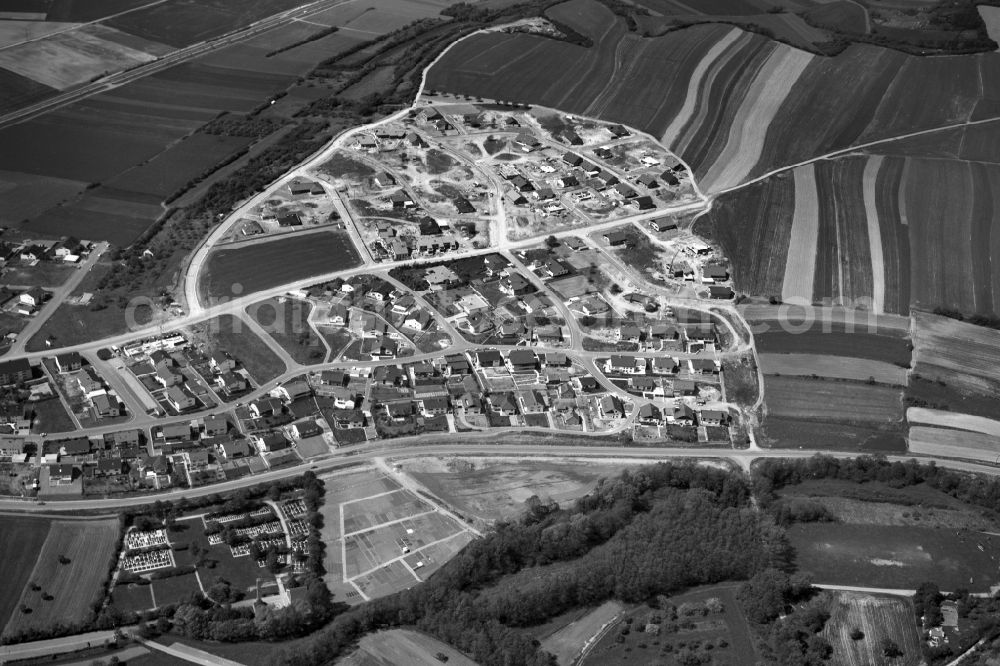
{"x":773,"y":474}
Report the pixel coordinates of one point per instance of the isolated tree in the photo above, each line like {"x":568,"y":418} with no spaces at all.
{"x":552,"y":242}
{"x":857,"y":634}
{"x":890,"y":649}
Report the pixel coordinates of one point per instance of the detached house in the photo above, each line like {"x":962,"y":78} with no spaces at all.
{"x":627,"y":365}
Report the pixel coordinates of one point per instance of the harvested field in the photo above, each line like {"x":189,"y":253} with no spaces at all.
{"x":748,"y":131}
{"x":991,"y":17}
{"x":89,"y":547}
{"x":827,"y":400}
{"x":264,"y":265}
{"x":947,"y":419}
{"x":836,"y":341}
{"x":404,"y":646}
{"x":76,"y":56}
{"x":895,"y":557}
{"x":567,"y":643}
{"x":21,"y":541}
{"x":836,"y":367}
{"x":800,"y":262}
{"x":497,"y":489}
{"x":880,"y":618}
{"x":963,"y":355}
{"x":949,"y":443}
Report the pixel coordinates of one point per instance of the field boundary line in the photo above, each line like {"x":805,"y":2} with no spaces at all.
{"x":840,"y":152}
{"x":371,"y":497}
{"x":391,"y":522}
{"x":398,"y":559}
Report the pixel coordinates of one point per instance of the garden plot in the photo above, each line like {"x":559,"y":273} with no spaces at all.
{"x":379,"y":536}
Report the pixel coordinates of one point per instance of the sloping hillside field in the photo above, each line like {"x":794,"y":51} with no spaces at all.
{"x":771,"y":130}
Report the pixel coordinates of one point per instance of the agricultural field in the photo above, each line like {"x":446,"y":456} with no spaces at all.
{"x":964,"y":356}
{"x":260,"y":266}
{"x":172,"y":169}
{"x":784,"y":432}
{"x":947,"y":419}
{"x":715,"y":80}
{"x":862,"y":230}
{"x":21,"y":540}
{"x":832,"y":400}
{"x":68,"y":58}
{"x":382,"y":538}
{"x":70,"y":569}
{"x":230,"y":334}
{"x":182,"y":23}
{"x":879,"y":618}
{"x":403,"y":646}
{"x":286,"y":320}
{"x":490,"y":490}
{"x":833,"y":340}
{"x":833,"y":367}
{"x":895,"y":557}
{"x":951,"y":443}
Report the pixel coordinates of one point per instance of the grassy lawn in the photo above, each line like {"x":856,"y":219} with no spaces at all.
{"x":287,"y":322}
{"x":132,"y":597}
{"x":228,"y":334}
{"x":51,"y":416}
{"x":47,"y":274}
{"x":175,"y":589}
{"x":338,"y":338}
{"x":740,"y":378}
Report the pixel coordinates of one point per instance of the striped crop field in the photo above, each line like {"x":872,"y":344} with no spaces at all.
{"x":962,"y":355}
{"x":734,"y":105}
{"x":865,"y":179}
{"x":946,"y":419}
{"x":949,"y":443}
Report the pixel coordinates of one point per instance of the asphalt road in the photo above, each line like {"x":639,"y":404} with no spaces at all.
{"x":475,"y":444}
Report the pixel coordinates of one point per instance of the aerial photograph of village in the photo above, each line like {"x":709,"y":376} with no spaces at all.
{"x":500,"y":332}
